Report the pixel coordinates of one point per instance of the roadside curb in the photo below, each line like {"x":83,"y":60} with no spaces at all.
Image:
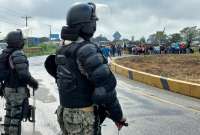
{"x":177,"y":86}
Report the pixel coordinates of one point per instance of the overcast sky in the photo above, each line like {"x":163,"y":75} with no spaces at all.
{"x":130,"y":17}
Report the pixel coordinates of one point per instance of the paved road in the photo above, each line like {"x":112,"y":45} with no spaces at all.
{"x":149,"y":111}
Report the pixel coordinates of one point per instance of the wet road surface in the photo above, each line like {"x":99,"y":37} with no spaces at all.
{"x":149,"y":111}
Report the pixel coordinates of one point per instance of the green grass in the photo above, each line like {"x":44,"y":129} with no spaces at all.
{"x":46,"y":49}
{"x":182,"y":67}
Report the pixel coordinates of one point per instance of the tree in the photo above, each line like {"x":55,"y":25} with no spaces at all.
{"x":99,"y":39}
{"x":142,"y":40}
{"x":132,"y":38}
{"x":44,"y":39}
{"x":158,"y":38}
{"x":176,"y":37}
{"x":161,"y":37}
{"x":198,"y":35}
{"x":190,"y":33}
{"x":152,"y":39}
{"x":117,"y":35}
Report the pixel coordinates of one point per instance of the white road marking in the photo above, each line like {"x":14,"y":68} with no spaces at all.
{"x":136,"y":90}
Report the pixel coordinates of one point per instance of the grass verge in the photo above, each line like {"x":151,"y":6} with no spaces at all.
{"x":182,"y":67}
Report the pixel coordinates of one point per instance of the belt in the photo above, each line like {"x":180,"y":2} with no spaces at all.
{"x":87,"y":109}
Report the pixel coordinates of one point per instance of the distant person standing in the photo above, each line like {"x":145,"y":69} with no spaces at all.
{"x":119,"y":50}
{"x":113,"y":49}
{"x":125,"y":47}
{"x":151,"y":50}
{"x":106,"y":52}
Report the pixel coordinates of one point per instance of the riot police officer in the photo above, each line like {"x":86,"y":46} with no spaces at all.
{"x":15,"y":67}
{"x":83,"y":76}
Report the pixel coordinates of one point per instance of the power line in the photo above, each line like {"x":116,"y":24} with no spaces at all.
{"x":10,"y":23}
{"x":18,"y":13}
{"x":5,"y":14}
{"x":9,"y":20}
{"x":50,"y":26}
{"x":9,"y":13}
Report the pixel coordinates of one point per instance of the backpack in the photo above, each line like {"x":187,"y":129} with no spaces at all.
{"x":4,"y":70}
{"x":4,"y":66}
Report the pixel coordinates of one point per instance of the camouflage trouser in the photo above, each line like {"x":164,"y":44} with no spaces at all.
{"x":14,"y":100}
{"x":75,"y":121}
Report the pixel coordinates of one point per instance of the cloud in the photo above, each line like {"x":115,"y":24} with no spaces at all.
{"x":130,"y":17}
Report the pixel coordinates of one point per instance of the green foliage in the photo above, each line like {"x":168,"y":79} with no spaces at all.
{"x":190,"y":33}
{"x":44,"y":39}
{"x":117,"y":35}
{"x":46,"y":49}
{"x":100,"y":39}
{"x":176,"y":37}
{"x":158,"y":38}
{"x":142,"y":40}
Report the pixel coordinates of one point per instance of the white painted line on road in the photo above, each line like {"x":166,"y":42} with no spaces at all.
{"x":165,"y":101}
{"x":146,"y":94}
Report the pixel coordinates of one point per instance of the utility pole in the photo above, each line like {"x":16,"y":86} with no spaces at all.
{"x":26,"y":19}
{"x":0,"y":40}
{"x":50,"y":26}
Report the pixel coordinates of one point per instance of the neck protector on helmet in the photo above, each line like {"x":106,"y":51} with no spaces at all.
{"x":70,"y":33}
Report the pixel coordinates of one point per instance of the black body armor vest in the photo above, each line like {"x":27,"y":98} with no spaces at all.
{"x":75,"y":90}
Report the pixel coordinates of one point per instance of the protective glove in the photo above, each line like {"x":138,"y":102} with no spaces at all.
{"x":1,"y":89}
{"x":121,"y":123}
{"x":1,"y":92}
{"x":33,"y":83}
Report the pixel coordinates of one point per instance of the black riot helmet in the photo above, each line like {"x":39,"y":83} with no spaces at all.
{"x":81,"y":20}
{"x":15,"y":39}
{"x":81,"y":13}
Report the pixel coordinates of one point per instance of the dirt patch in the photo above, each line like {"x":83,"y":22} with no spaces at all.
{"x":181,"y":67}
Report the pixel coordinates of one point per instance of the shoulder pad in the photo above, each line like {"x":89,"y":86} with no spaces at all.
{"x":87,"y":49}
{"x":7,"y":50}
{"x":19,"y":57}
{"x":58,"y":49}
{"x":5,"y":54}
{"x":17,"y":53}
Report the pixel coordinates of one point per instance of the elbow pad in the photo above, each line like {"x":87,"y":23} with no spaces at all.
{"x":109,"y":99}
{"x":103,"y":96}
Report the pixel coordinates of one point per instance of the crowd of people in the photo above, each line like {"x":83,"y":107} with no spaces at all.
{"x":174,"y":48}
{"x":113,"y":50}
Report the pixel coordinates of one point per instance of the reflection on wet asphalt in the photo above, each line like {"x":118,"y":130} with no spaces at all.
{"x":43,"y":95}
{"x":46,"y":82}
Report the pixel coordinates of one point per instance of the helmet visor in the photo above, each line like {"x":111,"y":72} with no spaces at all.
{"x":93,"y":6}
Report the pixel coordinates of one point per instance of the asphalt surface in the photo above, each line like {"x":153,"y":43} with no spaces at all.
{"x":149,"y":111}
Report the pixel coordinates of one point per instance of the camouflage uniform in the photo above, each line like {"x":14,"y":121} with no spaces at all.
{"x":82,"y":75}
{"x":14,"y":100}
{"x":75,"y":121}
{"x":16,"y":77}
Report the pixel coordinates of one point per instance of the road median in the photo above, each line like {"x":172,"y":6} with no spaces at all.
{"x":173,"y":85}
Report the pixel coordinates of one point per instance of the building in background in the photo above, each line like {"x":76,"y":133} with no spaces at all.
{"x":54,"y":37}
{"x":33,"y":41}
